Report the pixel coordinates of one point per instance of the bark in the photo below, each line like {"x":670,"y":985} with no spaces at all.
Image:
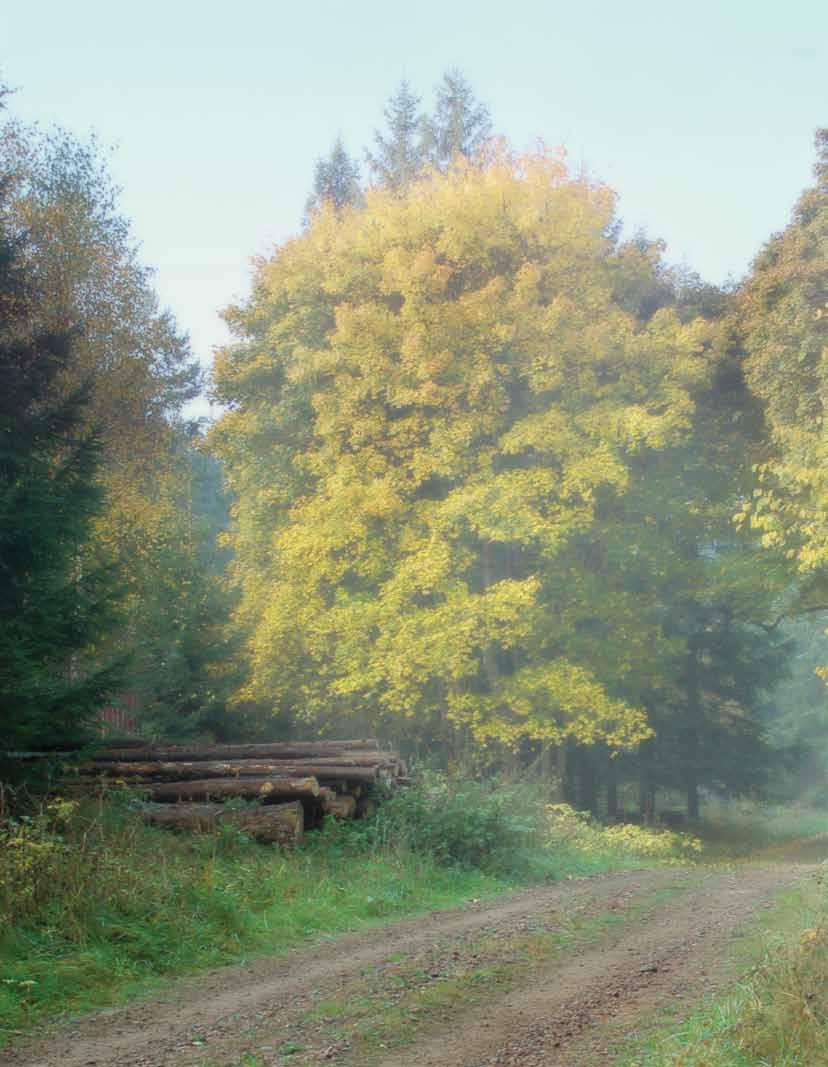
{"x":692,"y":796}
{"x":646,"y":785}
{"x":692,"y":740}
{"x":277,"y":750}
{"x":280,"y":823}
{"x":262,"y":788}
{"x":329,"y":770}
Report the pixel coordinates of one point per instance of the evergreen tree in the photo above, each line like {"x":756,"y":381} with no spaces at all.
{"x":52,"y":610}
{"x":335,"y":181}
{"x":400,"y":153}
{"x":461,"y":125}
{"x":184,"y":660}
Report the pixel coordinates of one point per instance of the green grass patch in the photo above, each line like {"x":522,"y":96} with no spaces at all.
{"x":106,"y":906}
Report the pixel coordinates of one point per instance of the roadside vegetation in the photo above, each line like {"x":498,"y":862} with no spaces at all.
{"x":777,"y":1014}
{"x":93,"y":904}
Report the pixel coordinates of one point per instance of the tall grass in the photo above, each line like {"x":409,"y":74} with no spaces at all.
{"x":735,"y":828}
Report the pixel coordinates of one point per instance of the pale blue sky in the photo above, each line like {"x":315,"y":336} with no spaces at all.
{"x":701,"y":115}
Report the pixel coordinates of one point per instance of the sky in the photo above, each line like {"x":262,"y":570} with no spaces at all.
{"x":700,"y":115}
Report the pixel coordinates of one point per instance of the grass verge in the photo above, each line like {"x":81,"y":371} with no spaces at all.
{"x":777,"y":1014}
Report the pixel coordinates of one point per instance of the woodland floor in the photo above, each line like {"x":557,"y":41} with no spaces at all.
{"x":555,"y":975}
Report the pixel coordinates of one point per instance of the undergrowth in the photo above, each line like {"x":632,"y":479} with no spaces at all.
{"x":94,"y":904}
{"x":737,"y":828}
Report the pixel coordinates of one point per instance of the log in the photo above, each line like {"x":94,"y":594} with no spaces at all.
{"x":273,"y":823}
{"x":262,"y":788}
{"x":276,"y":749}
{"x":340,"y":806}
{"x":331,"y":768}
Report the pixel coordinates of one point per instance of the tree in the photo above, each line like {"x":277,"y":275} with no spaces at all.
{"x":782,"y":321}
{"x":53,"y":611}
{"x":399,"y":153}
{"x":84,"y":264}
{"x":461,"y":125}
{"x":669,"y":600}
{"x":132,"y":362}
{"x":335,"y":182}
{"x":426,"y":405}
{"x":184,"y":659}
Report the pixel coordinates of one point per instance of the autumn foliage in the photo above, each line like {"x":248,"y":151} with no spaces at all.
{"x":429,"y":398}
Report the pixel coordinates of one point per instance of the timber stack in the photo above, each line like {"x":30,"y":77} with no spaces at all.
{"x":295,"y":783}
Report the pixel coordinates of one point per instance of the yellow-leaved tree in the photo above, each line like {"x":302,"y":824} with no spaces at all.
{"x":782,"y":321}
{"x":428,"y":398}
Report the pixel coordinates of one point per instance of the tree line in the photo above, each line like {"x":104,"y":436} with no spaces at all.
{"x":490,"y":478}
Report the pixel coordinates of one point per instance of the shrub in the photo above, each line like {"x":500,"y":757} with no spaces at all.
{"x":577,"y":830}
{"x":464,"y":823}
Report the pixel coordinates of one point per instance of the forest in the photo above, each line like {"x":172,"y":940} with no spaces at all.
{"x":492,"y":596}
{"x":491,"y":480}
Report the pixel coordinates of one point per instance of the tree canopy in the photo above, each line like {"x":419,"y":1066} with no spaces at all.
{"x":53,"y":610}
{"x":428,"y":400}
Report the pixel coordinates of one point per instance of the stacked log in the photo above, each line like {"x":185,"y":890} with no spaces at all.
{"x":183,"y":783}
{"x":272,"y":824}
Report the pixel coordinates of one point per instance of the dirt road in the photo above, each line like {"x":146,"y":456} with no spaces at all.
{"x":540,"y":977}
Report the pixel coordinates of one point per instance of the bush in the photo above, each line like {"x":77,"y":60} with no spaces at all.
{"x":505,"y":830}
{"x":498,"y":830}
{"x":578,"y":831}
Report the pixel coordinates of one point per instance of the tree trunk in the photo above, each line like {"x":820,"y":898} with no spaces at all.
{"x":279,"y":823}
{"x":694,"y":725}
{"x":646,"y":785}
{"x":564,"y":779}
{"x":692,"y":796}
{"x":288,"y":750}
{"x":612,"y":789}
{"x":587,"y":787}
{"x":270,"y":788}
{"x":328,"y":770}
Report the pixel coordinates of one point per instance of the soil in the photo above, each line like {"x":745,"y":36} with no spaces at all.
{"x":630,"y":945}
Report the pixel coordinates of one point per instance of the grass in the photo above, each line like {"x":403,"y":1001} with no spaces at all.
{"x":116,"y":905}
{"x":777,"y":1014}
{"x":736,"y":829}
{"x":95,"y":906}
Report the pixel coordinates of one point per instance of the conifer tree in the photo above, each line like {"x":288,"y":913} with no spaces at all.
{"x":399,"y":153}
{"x":461,"y":124}
{"x":52,"y":610}
{"x":335,"y":181}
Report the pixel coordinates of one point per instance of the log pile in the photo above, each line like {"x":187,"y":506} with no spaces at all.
{"x":296,"y":783}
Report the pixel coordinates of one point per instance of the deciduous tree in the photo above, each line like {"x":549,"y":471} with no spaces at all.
{"x":427,"y":404}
